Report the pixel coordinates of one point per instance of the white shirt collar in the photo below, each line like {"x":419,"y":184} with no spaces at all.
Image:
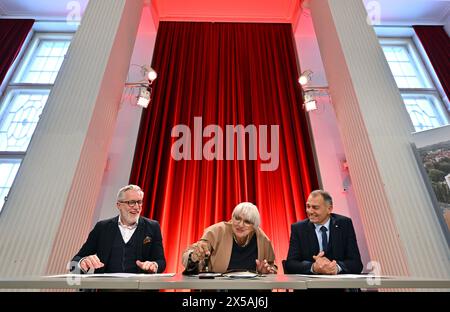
{"x":129,"y":227}
{"x":327,"y":225}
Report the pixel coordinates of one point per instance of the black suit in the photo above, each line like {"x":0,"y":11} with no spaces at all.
{"x":342,"y":246}
{"x":148,"y":237}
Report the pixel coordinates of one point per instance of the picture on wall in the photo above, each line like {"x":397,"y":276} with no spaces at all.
{"x":435,"y":159}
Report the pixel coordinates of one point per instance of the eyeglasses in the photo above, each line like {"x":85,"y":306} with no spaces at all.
{"x":131,"y":203}
{"x":246,"y":222}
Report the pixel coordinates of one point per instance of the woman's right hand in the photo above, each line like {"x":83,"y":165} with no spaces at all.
{"x":200,"y":251}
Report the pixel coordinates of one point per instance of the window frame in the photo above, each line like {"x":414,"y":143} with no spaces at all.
{"x":425,"y":70}
{"x":37,"y":37}
{"x":11,"y":84}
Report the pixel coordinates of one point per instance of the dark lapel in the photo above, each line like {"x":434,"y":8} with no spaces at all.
{"x":312,"y":238}
{"x":110,"y":234}
{"x":139,"y":239}
{"x":334,"y":237}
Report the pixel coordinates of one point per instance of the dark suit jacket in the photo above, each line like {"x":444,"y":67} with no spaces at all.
{"x":100,"y":240}
{"x":342,"y":246}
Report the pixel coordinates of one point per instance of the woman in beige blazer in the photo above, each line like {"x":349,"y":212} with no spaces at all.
{"x":239,"y":244}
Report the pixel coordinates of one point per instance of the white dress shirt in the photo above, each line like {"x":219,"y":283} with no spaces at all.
{"x":127,"y":230}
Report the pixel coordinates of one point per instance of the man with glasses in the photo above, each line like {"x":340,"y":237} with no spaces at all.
{"x":239,"y":244}
{"x":127,"y":243}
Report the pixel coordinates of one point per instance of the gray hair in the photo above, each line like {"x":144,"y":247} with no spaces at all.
{"x":325,"y":195}
{"x":249,"y":211}
{"x":121,"y":193}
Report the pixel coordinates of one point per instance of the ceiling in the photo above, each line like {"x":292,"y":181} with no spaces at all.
{"x":46,"y":10}
{"x":392,"y":12}
{"x":282,"y":11}
{"x":411,"y":12}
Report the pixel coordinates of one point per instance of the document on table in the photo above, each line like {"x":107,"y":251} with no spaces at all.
{"x":245,"y":274}
{"x":340,"y":276}
{"x":118,"y":275}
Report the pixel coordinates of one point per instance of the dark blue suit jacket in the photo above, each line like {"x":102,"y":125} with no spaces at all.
{"x":100,"y":240}
{"x":342,"y":246}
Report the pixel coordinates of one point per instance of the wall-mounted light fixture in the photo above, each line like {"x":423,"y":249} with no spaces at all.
{"x":310,"y":93}
{"x":305,"y":77}
{"x":310,"y":103}
{"x":310,"y":96}
{"x":144,"y":86}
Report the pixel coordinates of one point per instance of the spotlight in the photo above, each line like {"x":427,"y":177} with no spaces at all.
{"x":144,"y":86}
{"x":311,"y":105}
{"x":310,"y":101}
{"x":305,"y":77}
{"x":149,"y":72}
{"x":152,"y":75}
{"x":144,"y":97}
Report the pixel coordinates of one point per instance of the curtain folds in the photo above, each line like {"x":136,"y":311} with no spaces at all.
{"x":436,"y":43}
{"x":210,"y":76}
{"x":13,"y":33}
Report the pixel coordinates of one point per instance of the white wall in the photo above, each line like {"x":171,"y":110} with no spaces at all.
{"x":376,"y":134}
{"x":53,"y":196}
{"x":121,"y":152}
{"x":328,"y":146}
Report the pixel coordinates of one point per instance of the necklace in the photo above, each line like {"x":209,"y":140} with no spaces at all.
{"x":246,"y":241}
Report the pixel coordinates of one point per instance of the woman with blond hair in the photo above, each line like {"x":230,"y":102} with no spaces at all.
{"x":238,"y":244}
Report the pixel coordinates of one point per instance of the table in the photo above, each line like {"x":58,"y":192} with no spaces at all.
{"x":178,"y":281}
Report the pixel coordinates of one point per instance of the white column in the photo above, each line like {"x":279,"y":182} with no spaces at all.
{"x":50,"y":207}
{"x":123,"y":143}
{"x":401,"y":227}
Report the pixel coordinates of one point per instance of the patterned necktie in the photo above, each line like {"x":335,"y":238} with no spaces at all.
{"x":324,"y":230}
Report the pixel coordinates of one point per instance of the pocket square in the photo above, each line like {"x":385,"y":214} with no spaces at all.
{"x":147,"y":240}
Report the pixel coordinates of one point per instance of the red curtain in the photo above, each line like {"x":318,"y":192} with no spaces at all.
{"x":226,"y":74}
{"x":436,"y":43}
{"x":13,"y":33}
